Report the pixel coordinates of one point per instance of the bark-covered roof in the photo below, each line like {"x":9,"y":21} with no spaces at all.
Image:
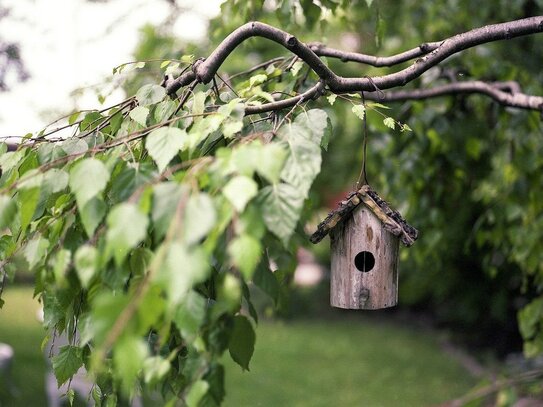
{"x":391,"y":219}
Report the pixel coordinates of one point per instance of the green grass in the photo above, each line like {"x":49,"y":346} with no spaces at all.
{"x":345,"y":362}
{"x":20,"y":328}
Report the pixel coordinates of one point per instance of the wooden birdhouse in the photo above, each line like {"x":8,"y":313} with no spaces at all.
{"x":365,"y":234}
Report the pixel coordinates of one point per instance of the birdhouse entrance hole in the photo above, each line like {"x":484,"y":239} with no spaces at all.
{"x":364,"y":261}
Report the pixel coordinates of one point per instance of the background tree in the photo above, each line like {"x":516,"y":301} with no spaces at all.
{"x":10,"y":60}
{"x":147,"y":225}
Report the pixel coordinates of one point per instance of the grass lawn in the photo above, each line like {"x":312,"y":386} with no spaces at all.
{"x":20,"y":328}
{"x":345,"y":363}
{"x":351,"y":362}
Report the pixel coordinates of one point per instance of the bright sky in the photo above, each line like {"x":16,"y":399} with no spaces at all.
{"x":74,"y":44}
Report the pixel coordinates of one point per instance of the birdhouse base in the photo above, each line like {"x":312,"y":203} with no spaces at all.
{"x":364,"y":263}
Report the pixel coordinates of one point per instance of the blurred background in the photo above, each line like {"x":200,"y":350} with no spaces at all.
{"x":468,"y":177}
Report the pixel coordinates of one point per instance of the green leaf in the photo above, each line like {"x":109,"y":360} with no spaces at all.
{"x":105,"y":310}
{"x":139,"y":115}
{"x":11,"y":159}
{"x":377,"y":105}
{"x":67,"y":363}
{"x":70,"y":394}
{"x":128,"y":357}
{"x":200,"y":217}
{"x":296,"y":68}
{"x":265,"y":279}
{"x":155,"y":368}
{"x":257,"y":79}
{"x":164,"y":143}
{"x":91,"y":214}
{"x":172,"y":69}
{"x":405,"y":127}
{"x":187,"y":59}
{"x":245,"y":252}
{"x":35,"y":250}
{"x":198,"y":104}
{"x":239,"y":191}
{"x":281,"y":207}
{"x":150,"y":94}
{"x":181,"y":270}
{"x":303,"y":164}
{"x":54,"y":181}
{"x":230,"y":128}
{"x":164,"y":110}
{"x":304,"y":160}
{"x":61,"y":262}
{"x":215,"y":377}
{"x":271,"y":159}
{"x":164,"y":64}
{"x":530,"y":317}
{"x":197,"y":391}
{"x":228,"y":296}
{"x":245,"y":158}
{"x":127,"y":227}
{"x":242,"y":341}
{"x":389,"y":122}
{"x":8,"y":210}
{"x":73,"y":117}
{"x":359,"y":111}
{"x":28,"y":201}
{"x":190,"y":314}
{"x":312,"y":12}
{"x":90,"y":122}
{"x":74,"y":146}
{"x":31,"y":179}
{"x":166,"y":198}
{"x":88,"y":178}
{"x":97,"y":395}
{"x":332,"y":98}
{"x":86,"y":262}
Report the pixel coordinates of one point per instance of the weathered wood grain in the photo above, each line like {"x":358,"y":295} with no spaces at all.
{"x":354,"y":289}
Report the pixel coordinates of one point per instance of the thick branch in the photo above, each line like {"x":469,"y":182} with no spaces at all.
{"x":499,"y":91}
{"x":447,"y":48}
{"x":204,"y":70}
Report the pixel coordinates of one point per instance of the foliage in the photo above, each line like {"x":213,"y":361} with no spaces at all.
{"x":149,"y":222}
{"x":145,"y":226}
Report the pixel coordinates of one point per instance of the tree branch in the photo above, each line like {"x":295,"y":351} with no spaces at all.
{"x":432,"y":54}
{"x":506,"y":93}
{"x":312,"y":93}
{"x":447,"y":48}
{"x":423,"y":49}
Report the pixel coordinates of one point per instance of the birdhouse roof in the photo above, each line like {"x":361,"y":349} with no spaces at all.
{"x":391,"y":219}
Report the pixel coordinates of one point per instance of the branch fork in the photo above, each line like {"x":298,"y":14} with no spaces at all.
{"x":426,"y":55}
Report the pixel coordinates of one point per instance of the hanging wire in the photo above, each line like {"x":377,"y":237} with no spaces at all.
{"x":381,"y":96}
{"x":363,"y":175}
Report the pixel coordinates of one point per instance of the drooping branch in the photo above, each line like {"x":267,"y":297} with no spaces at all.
{"x":431,"y":54}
